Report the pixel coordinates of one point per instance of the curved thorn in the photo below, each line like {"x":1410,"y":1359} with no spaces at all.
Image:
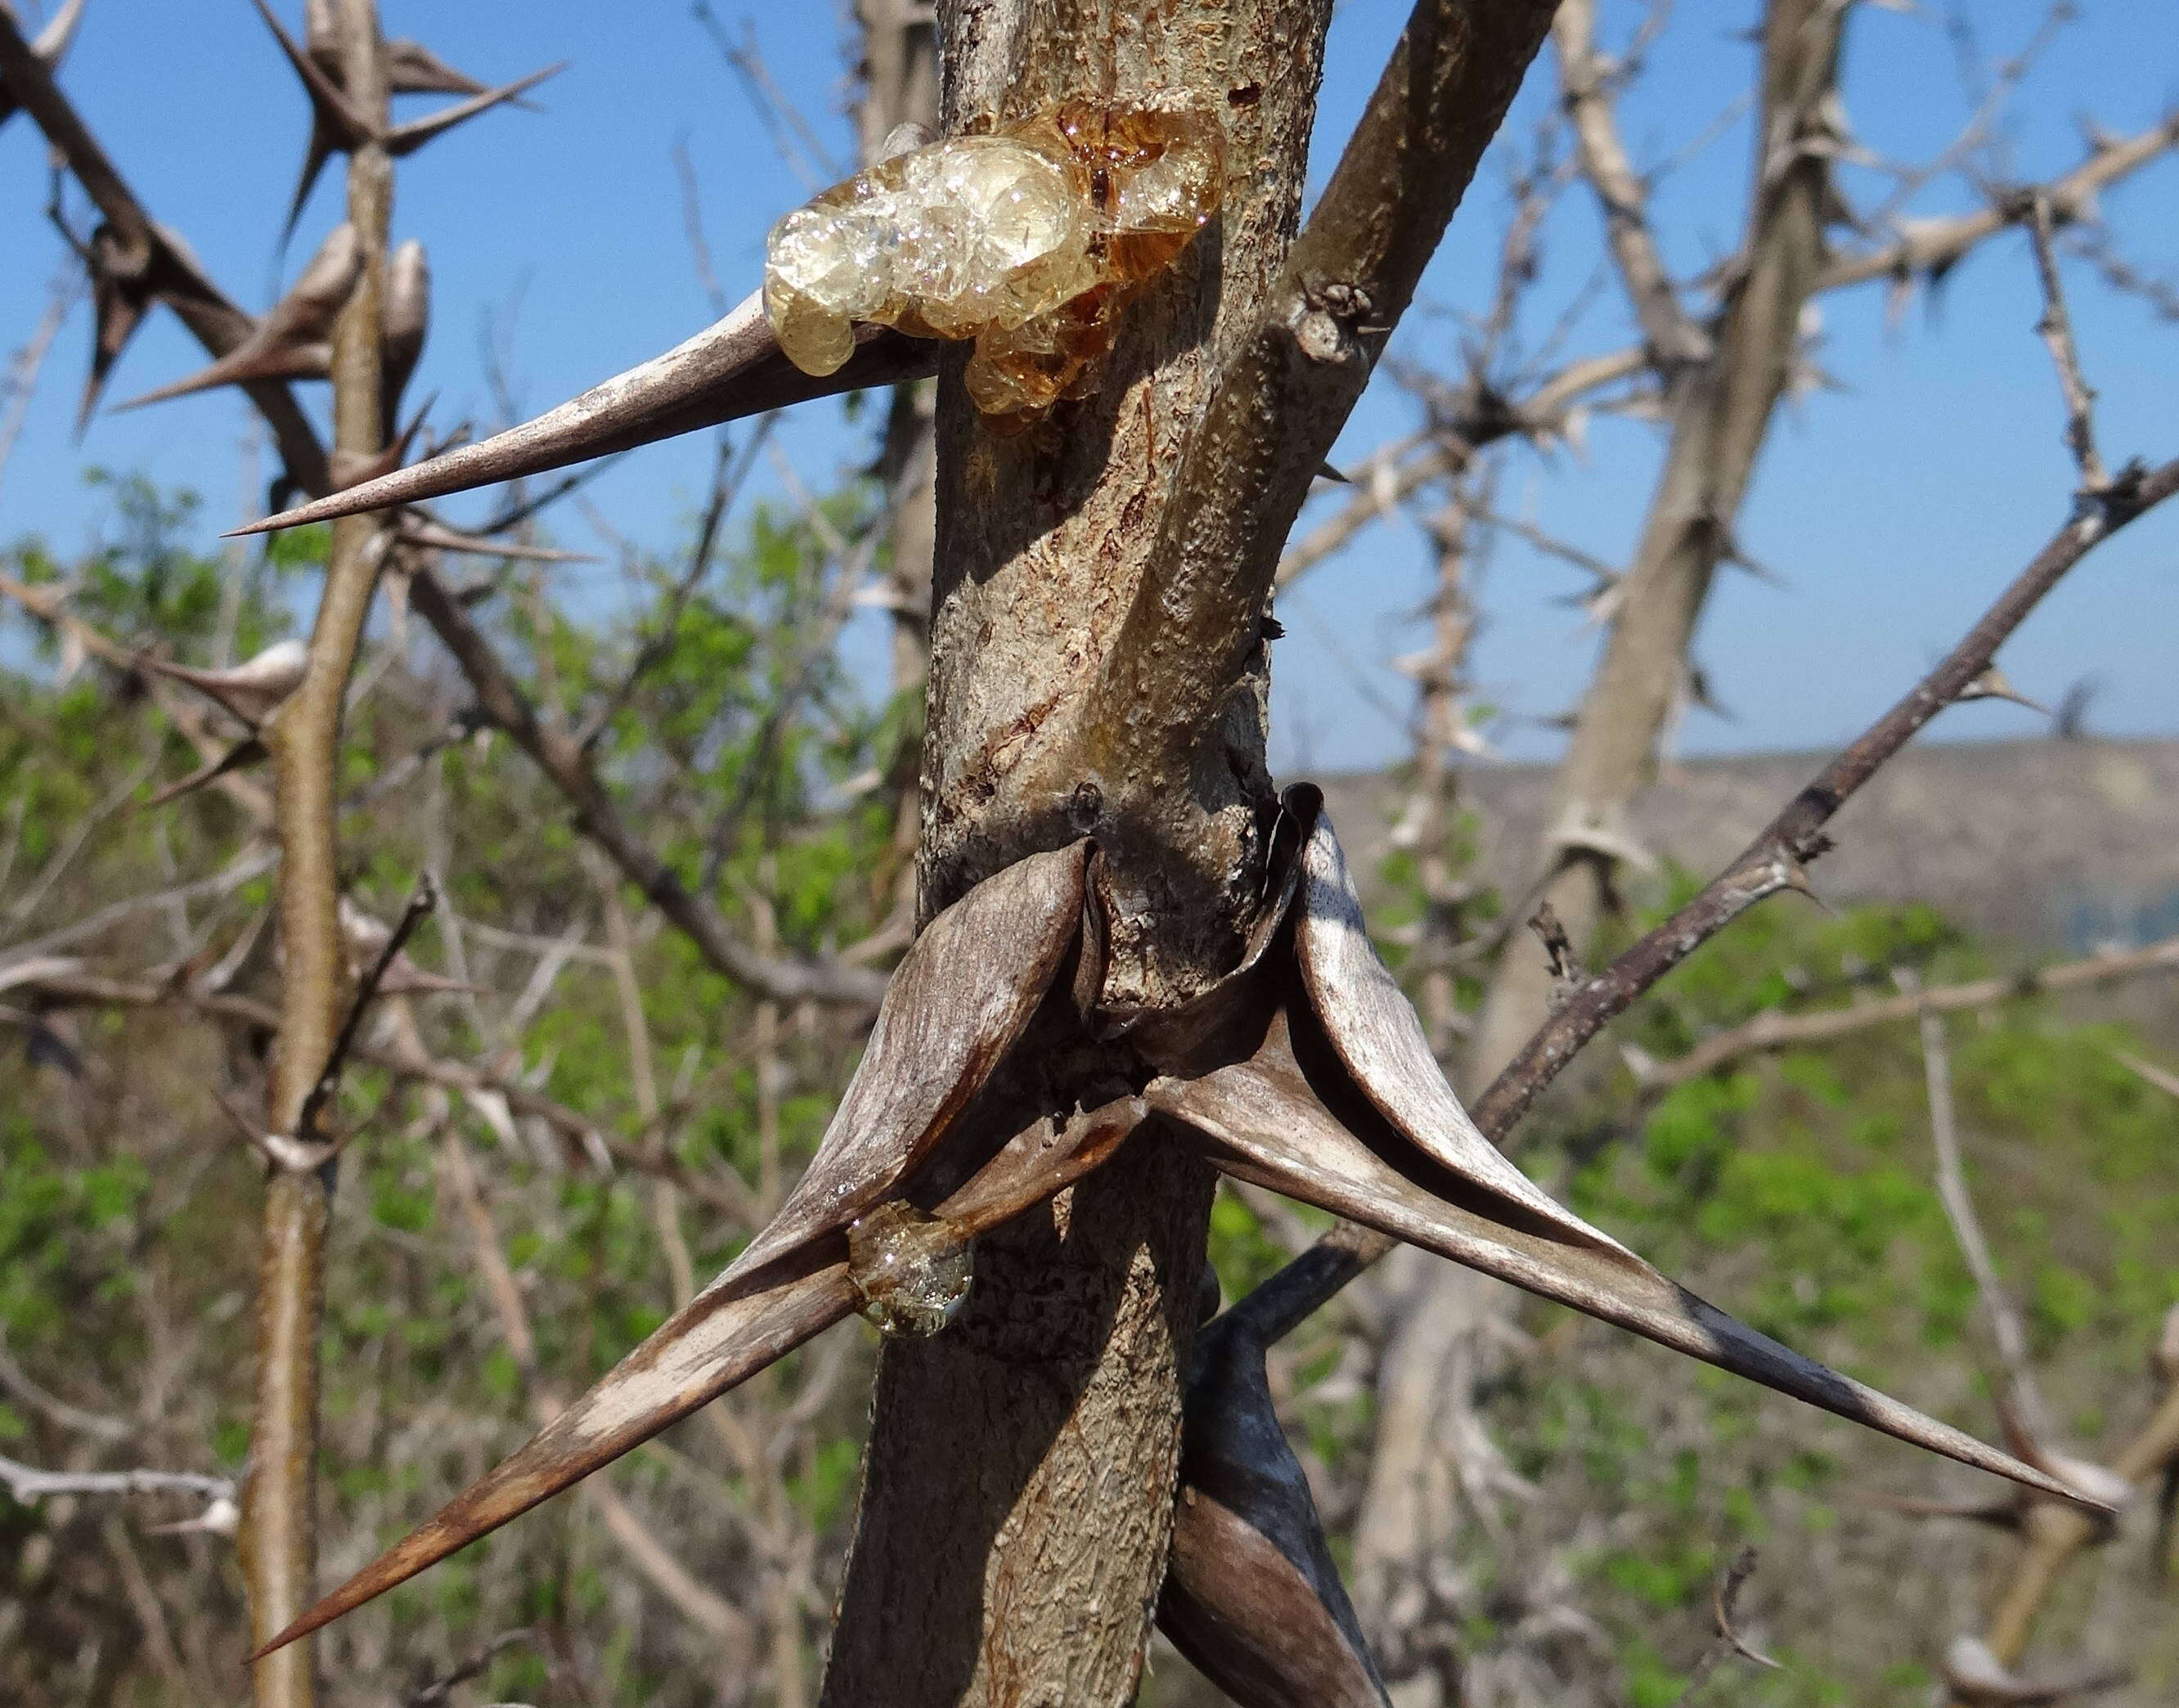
{"x":1379,"y":1040}
{"x":731,"y":369}
{"x":1265,"y":1123}
{"x":959,"y":999}
{"x":1252,"y":1596}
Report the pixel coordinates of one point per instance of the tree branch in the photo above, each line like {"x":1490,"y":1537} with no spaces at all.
{"x":1584,"y":79}
{"x":1773,"y":1031}
{"x":1286,"y":386}
{"x":561,"y":756}
{"x":302,"y":736}
{"x":1773,"y":862}
{"x":166,"y":268}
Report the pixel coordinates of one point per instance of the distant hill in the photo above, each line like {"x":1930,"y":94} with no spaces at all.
{"x":2064,"y":844}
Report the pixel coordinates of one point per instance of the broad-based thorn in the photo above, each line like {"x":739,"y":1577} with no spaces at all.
{"x":294,"y":340}
{"x":1329,"y":1094}
{"x":250,"y":690}
{"x":1994,"y":684}
{"x":1252,"y":1596}
{"x":961,"y":997}
{"x":406,"y":319}
{"x":1978,"y":1679}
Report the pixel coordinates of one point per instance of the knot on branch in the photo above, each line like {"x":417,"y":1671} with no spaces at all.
{"x":1328,"y":320}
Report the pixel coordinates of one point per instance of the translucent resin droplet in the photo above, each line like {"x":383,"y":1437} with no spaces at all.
{"x":1031,"y":239}
{"x":911,"y":1268}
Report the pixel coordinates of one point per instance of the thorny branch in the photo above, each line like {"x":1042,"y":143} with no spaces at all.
{"x":2056,"y":330}
{"x":1774,"y":862}
{"x":220,"y":328}
{"x":302,"y":737}
{"x":1925,"y":249}
{"x":152,"y":265}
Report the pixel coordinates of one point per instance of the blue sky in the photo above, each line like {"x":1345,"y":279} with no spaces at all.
{"x":1892,"y":508}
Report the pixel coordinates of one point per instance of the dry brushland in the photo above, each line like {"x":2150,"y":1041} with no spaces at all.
{"x":580,"y":1150}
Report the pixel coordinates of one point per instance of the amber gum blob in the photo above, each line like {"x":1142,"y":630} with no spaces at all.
{"x":1031,"y":237}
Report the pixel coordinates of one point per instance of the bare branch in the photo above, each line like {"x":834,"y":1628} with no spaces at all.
{"x":26,"y":1483}
{"x":561,"y":757}
{"x":2008,"y":1331}
{"x":425,"y":899}
{"x":2056,"y":330}
{"x":1584,"y":73}
{"x":1773,"y":1031}
{"x":1725,"y":1600}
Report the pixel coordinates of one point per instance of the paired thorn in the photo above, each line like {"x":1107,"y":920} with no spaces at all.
{"x":1250,"y":1075}
{"x":338,"y":125}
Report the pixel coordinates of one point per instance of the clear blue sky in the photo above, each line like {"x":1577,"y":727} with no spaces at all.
{"x":1892,"y":508}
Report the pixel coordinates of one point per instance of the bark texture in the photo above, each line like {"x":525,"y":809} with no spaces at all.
{"x":1018,"y":1488}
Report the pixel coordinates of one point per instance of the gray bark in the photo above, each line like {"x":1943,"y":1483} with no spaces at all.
{"x":1018,"y":1488}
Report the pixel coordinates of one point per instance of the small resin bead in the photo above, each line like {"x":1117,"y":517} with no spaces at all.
{"x":1031,"y":239}
{"x":911,"y":1269}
